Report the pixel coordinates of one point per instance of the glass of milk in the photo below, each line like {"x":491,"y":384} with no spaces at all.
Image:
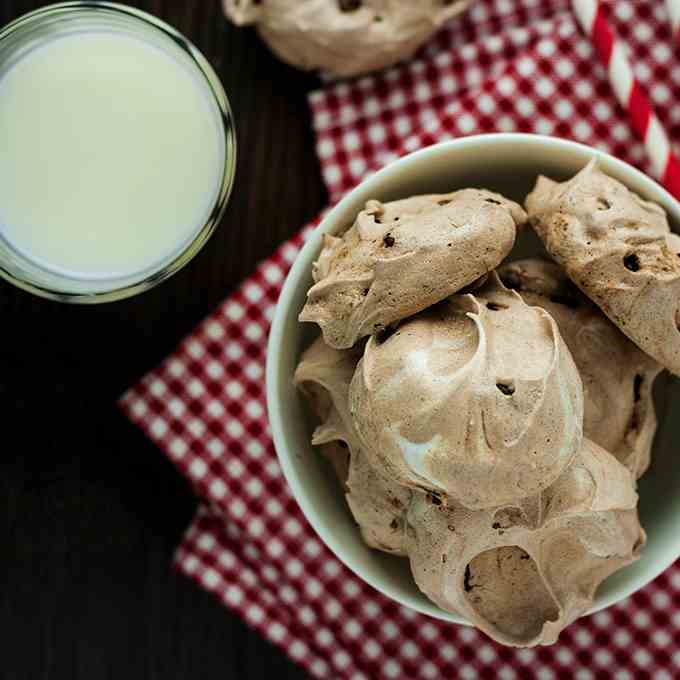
{"x":117,"y":151}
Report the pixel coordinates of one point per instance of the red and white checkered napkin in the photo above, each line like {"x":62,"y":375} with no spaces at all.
{"x":508,"y":65}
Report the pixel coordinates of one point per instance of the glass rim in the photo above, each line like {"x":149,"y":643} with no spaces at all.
{"x":150,"y":278}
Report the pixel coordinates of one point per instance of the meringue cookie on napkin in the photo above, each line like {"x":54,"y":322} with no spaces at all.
{"x":401,"y":257}
{"x":344,"y":37}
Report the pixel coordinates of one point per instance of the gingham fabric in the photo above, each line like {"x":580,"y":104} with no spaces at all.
{"x":508,"y":65}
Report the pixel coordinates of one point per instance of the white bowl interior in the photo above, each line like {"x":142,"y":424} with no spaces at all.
{"x":507,"y":163}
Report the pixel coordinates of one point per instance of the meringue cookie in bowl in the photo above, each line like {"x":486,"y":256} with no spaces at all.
{"x":615,"y":247}
{"x":336,"y":451}
{"x":377,"y":504}
{"x":323,"y":376}
{"x":344,"y":37}
{"x":617,"y":376}
{"x":401,"y":257}
{"x":451,"y":403}
{"x":522,"y":573}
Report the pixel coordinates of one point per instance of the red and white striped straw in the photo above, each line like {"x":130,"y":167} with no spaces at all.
{"x":629,"y":93}
{"x":674,"y":14}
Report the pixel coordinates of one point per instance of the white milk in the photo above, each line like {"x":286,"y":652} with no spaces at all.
{"x":111,"y":155}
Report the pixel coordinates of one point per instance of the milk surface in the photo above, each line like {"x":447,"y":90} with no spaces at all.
{"x":111,"y":155}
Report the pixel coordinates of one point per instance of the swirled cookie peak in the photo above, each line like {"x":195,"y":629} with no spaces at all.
{"x":477,"y":399}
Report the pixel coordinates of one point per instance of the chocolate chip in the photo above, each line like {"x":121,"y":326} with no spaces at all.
{"x":637,"y":386}
{"x":495,"y":306}
{"x":445,"y":202}
{"x":466,"y":580}
{"x":434,"y":499}
{"x":443,"y":559}
{"x":632,"y":262}
{"x":388,"y":241}
{"x":385,"y":334}
{"x":603,"y":204}
{"x":349,"y":5}
{"x":394,"y":524}
{"x":492,"y":200}
{"x":507,"y":389}
{"x":365,"y":292}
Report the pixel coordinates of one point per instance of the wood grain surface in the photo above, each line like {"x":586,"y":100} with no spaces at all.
{"x":90,"y":511}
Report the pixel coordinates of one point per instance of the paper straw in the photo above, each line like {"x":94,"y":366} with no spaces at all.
{"x":665,"y":164}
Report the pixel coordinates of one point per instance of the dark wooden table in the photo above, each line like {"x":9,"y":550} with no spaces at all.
{"x":90,"y":511}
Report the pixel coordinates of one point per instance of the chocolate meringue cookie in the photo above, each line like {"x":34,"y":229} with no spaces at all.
{"x":337,"y":453}
{"x":377,"y":504}
{"x":401,"y":257}
{"x":344,"y":37}
{"x":617,"y":376}
{"x":476,"y":399}
{"x":523,"y":572}
{"x":323,"y":376}
{"x":673,"y":243}
{"x":615,"y":247}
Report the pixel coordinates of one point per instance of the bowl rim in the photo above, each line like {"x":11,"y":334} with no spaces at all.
{"x":329,"y":223}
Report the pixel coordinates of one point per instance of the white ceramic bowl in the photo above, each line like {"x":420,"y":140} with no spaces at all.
{"x":508,"y":163}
